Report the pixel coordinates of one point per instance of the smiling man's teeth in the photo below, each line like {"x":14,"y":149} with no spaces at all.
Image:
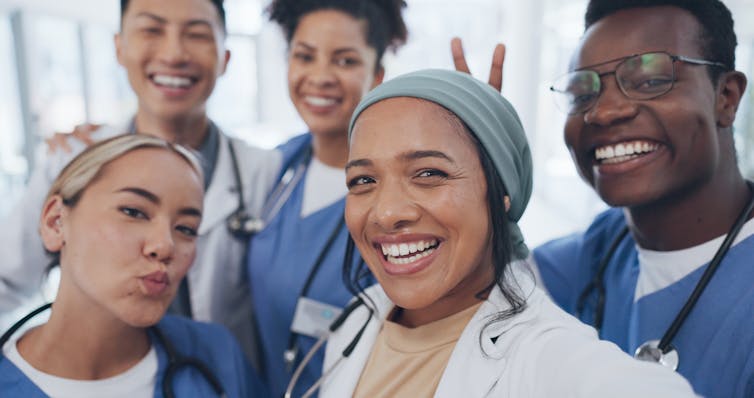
{"x":396,"y":252}
{"x":623,"y":151}
{"x":319,"y":101}
{"x":172,"y":81}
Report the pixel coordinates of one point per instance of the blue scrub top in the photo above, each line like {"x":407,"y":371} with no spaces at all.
{"x":715,"y":343}
{"x":280,"y":259}
{"x":210,"y":343}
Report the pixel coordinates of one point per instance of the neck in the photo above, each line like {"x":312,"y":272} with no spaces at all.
{"x":331,"y":149}
{"x":83,"y":343}
{"x":690,"y":218}
{"x":187,"y":130}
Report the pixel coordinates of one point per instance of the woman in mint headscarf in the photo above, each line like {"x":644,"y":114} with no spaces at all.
{"x":439,"y":172}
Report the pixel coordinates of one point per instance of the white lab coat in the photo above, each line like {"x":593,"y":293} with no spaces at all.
{"x":541,"y":352}
{"x":217,"y":281}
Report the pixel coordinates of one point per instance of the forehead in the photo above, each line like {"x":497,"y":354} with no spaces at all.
{"x":174,"y":10}
{"x":332,"y":27}
{"x":136,"y":169}
{"x":401,"y":124}
{"x":639,"y":30}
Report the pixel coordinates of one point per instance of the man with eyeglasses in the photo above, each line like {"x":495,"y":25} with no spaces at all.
{"x":651,"y":99}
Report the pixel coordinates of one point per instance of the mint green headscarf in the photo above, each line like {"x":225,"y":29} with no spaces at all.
{"x":491,"y":119}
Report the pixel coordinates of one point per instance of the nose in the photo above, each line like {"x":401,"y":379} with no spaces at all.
{"x":172,"y":49}
{"x":321,"y":74}
{"x":159,"y":244}
{"x":394,"y":208}
{"x":611,"y":106}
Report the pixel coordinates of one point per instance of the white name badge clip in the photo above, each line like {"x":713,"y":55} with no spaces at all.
{"x":313,"y":318}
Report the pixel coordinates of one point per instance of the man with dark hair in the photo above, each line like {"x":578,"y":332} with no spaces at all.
{"x":652,"y":96}
{"x":173,"y":52}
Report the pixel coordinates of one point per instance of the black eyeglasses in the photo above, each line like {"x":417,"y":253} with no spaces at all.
{"x":639,"y":76}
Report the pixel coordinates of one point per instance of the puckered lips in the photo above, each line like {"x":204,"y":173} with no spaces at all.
{"x":172,"y":84}
{"x":625,"y":155}
{"x":407,"y":254}
{"x":154,"y":284}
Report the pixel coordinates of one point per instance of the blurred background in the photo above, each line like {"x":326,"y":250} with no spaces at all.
{"x":58,"y":69}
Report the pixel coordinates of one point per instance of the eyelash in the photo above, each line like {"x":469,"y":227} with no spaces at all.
{"x":360,"y":180}
{"x":136,"y":213}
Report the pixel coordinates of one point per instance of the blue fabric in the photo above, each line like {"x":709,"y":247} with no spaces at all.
{"x":212,"y":344}
{"x":279,"y":261}
{"x":715,"y":344}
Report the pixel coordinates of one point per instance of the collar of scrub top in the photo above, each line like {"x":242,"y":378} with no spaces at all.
{"x":662,"y":351}
{"x":176,"y":361}
{"x":489,"y":116}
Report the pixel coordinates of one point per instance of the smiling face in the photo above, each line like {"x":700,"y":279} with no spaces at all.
{"x":130,"y":238}
{"x":173,"y":52}
{"x":675,"y":140}
{"x":330,"y":68}
{"x":417,"y":207}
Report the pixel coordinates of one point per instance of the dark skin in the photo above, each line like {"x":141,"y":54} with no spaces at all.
{"x":690,"y":190}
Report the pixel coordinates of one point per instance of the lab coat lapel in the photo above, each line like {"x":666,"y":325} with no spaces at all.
{"x":476,"y":364}
{"x":221,"y":198}
{"x":344,"y":379}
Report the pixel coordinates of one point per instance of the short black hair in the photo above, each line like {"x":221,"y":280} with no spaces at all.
{"x":385,"y":26}
{"x":217,"y":3}
{"x":717,"y":39}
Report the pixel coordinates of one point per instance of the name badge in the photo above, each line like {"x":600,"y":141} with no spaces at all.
{"x":313,"y":318}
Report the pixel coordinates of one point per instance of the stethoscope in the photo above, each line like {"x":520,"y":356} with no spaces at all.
{"x":176,"y":361}
{"x":240,"y":223}
{"x":662,"y":351}
{"x":334,"y":326}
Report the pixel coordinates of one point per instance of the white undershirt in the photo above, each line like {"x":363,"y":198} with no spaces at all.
{"x":324,"y":186}
{"x":658,"y":270}
{"x":139,"y":381}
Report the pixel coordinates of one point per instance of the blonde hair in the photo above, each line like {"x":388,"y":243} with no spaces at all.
{"x":86,"y":168}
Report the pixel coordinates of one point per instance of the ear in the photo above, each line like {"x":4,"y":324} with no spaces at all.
{"x":730,"y":89}
{"x":226,"y":59}
{"x":507,"y":202}
{"x":51,"y":224}
{"x":118,"y":41}
{"x":379,"y":76}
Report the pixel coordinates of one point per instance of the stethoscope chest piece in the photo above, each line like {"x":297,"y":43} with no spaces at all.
{"x":651,"y":352}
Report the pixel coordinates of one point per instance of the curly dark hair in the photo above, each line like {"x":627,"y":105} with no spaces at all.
{"x":217,"y":3}
{"x":385,"y":26}
{"x":717,"y":40}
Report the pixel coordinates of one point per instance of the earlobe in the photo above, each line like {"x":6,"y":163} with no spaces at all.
{"x":118,"y":43}
{"x":378,"y":77}
{"x":507,"y":202}
{"x":729,"y":92}
{"x":51,"y":224}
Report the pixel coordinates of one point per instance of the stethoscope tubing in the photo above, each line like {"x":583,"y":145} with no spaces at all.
{"x":175,"y":360}
{"x":665,"y":342}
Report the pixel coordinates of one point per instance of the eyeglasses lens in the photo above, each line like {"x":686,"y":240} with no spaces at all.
{"x":640,"y":77}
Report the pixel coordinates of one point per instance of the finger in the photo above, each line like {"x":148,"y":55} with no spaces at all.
{"x":459,"y":60}
{"x":496,"y":70}
{"x":83,"y":132}
{"x":58,"y":142}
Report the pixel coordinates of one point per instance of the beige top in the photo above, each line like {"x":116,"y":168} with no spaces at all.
{"x":409,"y":362}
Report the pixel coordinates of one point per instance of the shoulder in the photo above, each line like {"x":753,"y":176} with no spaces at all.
{"x":198,"y":338}
{"x":606,"y":224}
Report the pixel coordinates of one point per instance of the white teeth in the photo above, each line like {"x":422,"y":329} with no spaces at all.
{"x":172,"y":81}
{"x":411,"y":259}
{"x":623,"y":151}
{"x":319,"y":101}
{"x":396,"y":253}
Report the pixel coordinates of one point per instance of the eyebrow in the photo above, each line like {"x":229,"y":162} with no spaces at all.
{"x":162,"y":21}
{"x":407,"y":156}
{"x":337,"y":51}
{"x":189,"y":211}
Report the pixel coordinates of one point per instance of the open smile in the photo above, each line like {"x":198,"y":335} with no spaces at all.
{"x":173,"y":82}
{"x":408,"y":257}
{"x":624,"y":151}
